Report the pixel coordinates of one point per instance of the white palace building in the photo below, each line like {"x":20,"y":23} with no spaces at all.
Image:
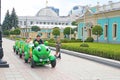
{"x":46,"y":18}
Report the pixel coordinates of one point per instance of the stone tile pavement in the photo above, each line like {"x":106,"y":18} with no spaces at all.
{"x":68,"y":68}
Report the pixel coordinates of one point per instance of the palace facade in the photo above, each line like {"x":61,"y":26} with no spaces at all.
{"x":108,"y":16}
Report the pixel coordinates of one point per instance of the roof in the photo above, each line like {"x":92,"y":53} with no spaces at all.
{"x":46,"y":12}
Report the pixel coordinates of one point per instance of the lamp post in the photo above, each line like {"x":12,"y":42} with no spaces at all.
{"x":26,"y":34}
{"x":2,"y":63}
{"x":85,"y":9}
{"x":84,"y":27}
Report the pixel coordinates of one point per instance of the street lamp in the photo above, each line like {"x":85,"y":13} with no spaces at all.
{"x":84,"y":24}
{"x":26,"y":34}
{"x":2,"y":63}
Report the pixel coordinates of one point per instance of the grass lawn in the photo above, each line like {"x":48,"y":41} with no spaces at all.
{"x":98,"y":46}
{"x":111,"y":51}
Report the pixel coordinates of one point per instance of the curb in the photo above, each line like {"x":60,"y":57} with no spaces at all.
{"x":105,"y":61}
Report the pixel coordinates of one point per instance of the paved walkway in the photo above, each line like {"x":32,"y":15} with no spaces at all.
{"x":68,"y":68}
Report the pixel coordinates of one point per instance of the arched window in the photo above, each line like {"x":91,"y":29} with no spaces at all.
{"x":31,"y":22}
{"x":106,"y":31}
{"x":59,"y":23}
{"x":89,"y":32}
{"x":55,"y":23}
{"x":82,"y":31}
{"x":44,"y":22}
{"x":24,"y":22}
{"x":52,"y":23}
{"x":114,"y":30}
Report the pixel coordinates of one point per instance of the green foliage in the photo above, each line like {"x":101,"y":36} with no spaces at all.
{"x":17,"y":31}
{"x":14,"y":19}
{"x":74,"y":23}
{"x":51,"y":40}
{"x":84,"y":45}
{"x":10,"y":21}
{"x":12,"y":32}
{"x":97,"y":30}
{"x":6,"y":23}
{"x":69,"y":41}
{"x":67,"y":31}
{"x":89,"y":39}
{"x":72,"y":38}
{"x":35,"y":28}
{"x":65,"y":40}
{"x":56,"y":31}
{"x":6,"y":32}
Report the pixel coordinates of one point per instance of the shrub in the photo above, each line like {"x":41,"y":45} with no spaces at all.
{"x":17,"y":31}
{"x":51,"y":40}
{"x":6,"y":32}
{"x":65,"y":40}
{"x":72,"y":38}
{"x":70,"y":41}
{"x":84,"y":45}
{"x":89,"y":39}
{"x":12,"y":32}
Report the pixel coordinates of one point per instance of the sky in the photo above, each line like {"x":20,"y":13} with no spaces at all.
{"x":31,"y":7}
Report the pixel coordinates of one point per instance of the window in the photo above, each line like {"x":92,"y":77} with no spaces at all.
{"x":48,"y":23}
{"x":36,"y":22}
{"x":48,"y":35}
{"x":82,"y":31}
{"x":31,"y":22}
{"x":40,"y":22}
{"x":20,"y":22}
{"x":59,"y":23}
{"x":52,"y":23}
{"x":106,"y":31}
{"x":75,"y":8}
{"x":89,"y":32}
{"x":24,"y":22}
{"x":66,"y":23}
{"x":44,"y":22}
{"x":55,"y":23}
{"x":114,"y":30}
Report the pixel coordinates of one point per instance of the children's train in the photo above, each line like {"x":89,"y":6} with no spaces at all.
{"x":35,"y":53}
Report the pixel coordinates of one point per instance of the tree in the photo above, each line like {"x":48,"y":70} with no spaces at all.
{"x":17,"y":31}
{"x":10,"y":20}
{"x":11,"y":32}
{"x":14,"y":19}
{"x":97,"y":30}
{"x":35,"y":28}
{"x":56,"y":31}
{"x":6,"y":23}
{"x":6,"y":32}
{"x":67,"y":31}
{"x":74,"y":23}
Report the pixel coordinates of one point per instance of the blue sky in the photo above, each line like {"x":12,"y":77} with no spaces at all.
{"x":31,"y":7}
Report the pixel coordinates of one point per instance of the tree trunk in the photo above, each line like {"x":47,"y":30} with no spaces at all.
{"x":97,"y":38}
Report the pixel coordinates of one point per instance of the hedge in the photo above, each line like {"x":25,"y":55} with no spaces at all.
{"x":103,"y":52}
